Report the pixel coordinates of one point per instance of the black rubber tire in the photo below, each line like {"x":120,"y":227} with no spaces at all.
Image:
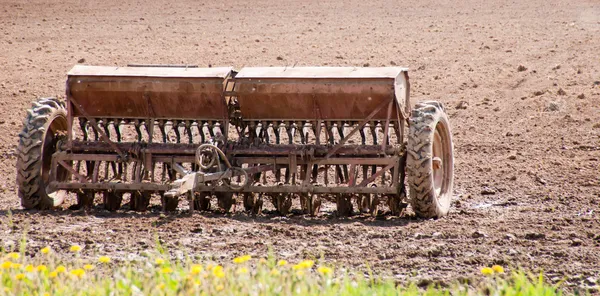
{"x":46,"y":121}
{"x":426,"y":201}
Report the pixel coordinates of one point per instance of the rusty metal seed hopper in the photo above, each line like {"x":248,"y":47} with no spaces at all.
{"x":336,"y":133}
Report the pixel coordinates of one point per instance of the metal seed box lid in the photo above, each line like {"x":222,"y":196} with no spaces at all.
{"x":320,"y":72}
{"x":219,"y":72}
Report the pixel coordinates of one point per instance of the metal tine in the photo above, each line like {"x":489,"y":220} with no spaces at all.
{"x":397,"y":132}
{"x":78,"y":166}
{"x":163,"y":132}
{"x":329,"y":128}
{"x":342,"y":177}
{"x":252,"y":130}
{"x":116,"y":123}
{"x":105,"y":125}
{"x":363,"y":138}
{"x":266,"y":130}
{"x":277,"y":132}
{"x":136,"y":124}
{"x":175,"y":126}
{"x":117,"y":126}
{"x":290,"y":132}
{"x":96,"y":135}
{"x":258,"y":129}
{"x":89,"y":166}
{"x":373,"y":128}
{"x":340,"y":127}
{"x":314,"y":127}
{"x":221,"y":127}
{"x":200,"y":127}
{"x":188,"y":129}
{"x":211,"y":126}
{"x":147,"y":126}
{"x":83,"y":125}
{"x":326,"y":176}
{"x":124,"y":176}
{"x":299,"y":125}
{"x":106,"y":169}
{"x":315,"y":172}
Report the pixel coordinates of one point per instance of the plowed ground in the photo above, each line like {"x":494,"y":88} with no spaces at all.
{"x":527,"y":139}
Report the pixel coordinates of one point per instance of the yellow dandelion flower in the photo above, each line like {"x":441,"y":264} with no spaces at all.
{"x":14,"y":255}
{"x":159,"y":261}
{"x":78,"y":272}
{"x":242,"y":270}
{"x":487,"y":271}
{"x":29,"y":268}
{"x":104,"y":259}
{"x":282,"y":263}
{"x":498,"y":269}
{"x":161,"y":286}
{"x":45,"y":250}
{"x":53,"y":274}
{"x":16,"y":266}
{"x":41,"y":268}
{"x":19,"y":276}
{"x":196,"y":269}
{"x":219,"y":287}
{"x":6,"y":265}
{"x":166,"y":270}
{"x":60,"y":269}
{"x":218,"y":271}
{"x":197,"y":283}
{"x":324,"y":270}
{"x":46,"y":294}
{"x":75,"y":248}
{"x":241,"y":259}
{"x":306,"y":264}
{"x":88,"y":267}
{"x":274,"y":272}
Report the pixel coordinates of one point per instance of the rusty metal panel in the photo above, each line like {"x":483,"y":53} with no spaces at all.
{"x":313,"y":98}
{"x":317,"y":93}
{"x":169,"y":93}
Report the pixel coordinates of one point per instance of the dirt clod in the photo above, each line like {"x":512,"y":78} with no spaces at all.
{"x":521,"y":68}
{"x":478,"y":234}
{"x":81,"y":61}
{"x":535,"y":236}
{"x":552,"y":106}
{"x":488,"y":191}
{"x":576,"y":242}
{"x":462,"y":105}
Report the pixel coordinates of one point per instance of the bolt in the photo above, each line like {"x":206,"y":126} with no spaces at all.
{"x":436,"y":162}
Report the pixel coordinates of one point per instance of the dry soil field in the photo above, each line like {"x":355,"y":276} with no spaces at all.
{"x":520,"y":79}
